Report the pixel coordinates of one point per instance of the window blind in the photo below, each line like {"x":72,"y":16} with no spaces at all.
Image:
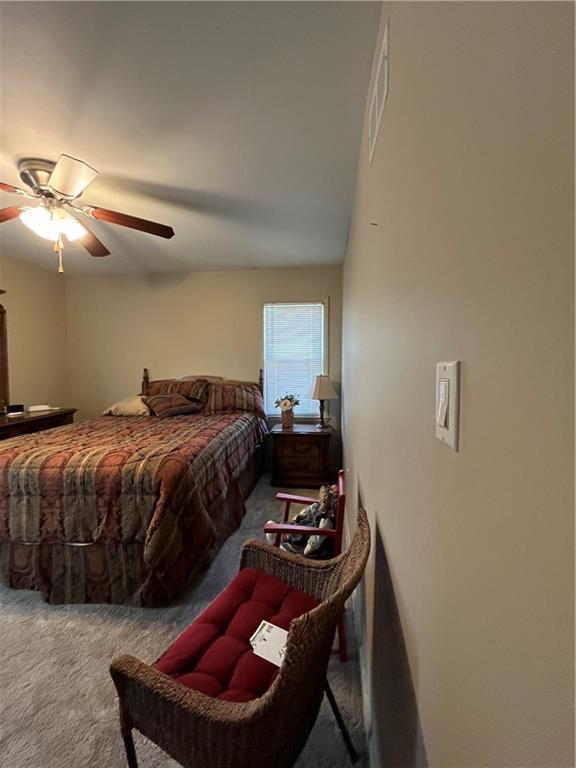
{"x":293,"y":353}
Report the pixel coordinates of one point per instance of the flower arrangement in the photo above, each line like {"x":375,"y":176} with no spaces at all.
{"x":287,"y":402}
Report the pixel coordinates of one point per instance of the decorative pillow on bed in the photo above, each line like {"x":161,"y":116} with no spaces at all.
{"x":172,"y":405}
{"x":193,"y":389}
{"x":130,"y":406}
{"x":209,"y":379}
{"x":235,"y":396}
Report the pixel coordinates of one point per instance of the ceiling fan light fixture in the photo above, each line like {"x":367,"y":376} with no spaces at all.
{"x":50,"y":224}
{"x":40,"y":222}
{"x":72,"y":228}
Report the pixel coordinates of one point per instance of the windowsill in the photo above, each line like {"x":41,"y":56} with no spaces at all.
{"x":297,"y":419}
{"x":273,"y":420}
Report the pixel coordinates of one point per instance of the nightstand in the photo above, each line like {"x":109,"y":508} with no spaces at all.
{"x":14,"y":426}
{"x":300,"y":456}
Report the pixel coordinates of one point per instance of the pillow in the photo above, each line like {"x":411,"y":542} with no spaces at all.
{"x":209,"y":379}
{"x":193,"y":389}
{"x":235,"y":396}
{"x":130,"y":406}
{"x":172,"y":405}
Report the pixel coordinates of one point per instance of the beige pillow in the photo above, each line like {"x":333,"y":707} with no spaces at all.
{"x":130,"y":406}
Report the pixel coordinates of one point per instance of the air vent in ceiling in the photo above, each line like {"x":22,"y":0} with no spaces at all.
{"x":379,"y":93}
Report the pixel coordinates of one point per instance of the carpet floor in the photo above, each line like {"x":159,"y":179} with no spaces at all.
{"x":57,"y":701}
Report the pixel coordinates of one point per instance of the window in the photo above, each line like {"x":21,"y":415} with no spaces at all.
{"x":294,"y":348}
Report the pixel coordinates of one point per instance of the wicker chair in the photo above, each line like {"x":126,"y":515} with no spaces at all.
{"x":199,"y":731}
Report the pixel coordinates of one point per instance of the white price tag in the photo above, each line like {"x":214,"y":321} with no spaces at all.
{"x":269,"y":642}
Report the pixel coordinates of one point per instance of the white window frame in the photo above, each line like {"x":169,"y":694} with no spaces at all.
{"x":274,"y":417}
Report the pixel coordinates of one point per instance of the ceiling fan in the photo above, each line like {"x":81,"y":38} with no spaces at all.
{"x":56,"y":187}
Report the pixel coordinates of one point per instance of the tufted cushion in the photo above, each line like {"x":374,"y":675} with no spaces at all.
{"x":214,"y":655}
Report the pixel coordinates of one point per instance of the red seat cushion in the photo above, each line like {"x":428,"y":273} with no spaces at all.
{"x":214,"y":655}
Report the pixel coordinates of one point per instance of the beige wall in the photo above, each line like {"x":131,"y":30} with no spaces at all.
{"x":36,"y":316}
{"x":471,"y":190}
{"x":199,"y":322}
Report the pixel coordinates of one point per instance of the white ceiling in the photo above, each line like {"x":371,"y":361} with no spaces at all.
{"x":238,"y":124}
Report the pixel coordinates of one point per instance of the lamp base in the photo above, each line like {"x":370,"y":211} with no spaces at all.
{"x":321,"y":425}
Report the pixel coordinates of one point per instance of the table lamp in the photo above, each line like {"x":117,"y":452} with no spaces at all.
{"x":323,"y":390}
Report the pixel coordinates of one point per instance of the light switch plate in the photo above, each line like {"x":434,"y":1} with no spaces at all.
{"x":447,"y":411}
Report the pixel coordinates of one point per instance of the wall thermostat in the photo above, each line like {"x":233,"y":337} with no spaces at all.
{"x":447,"y":413}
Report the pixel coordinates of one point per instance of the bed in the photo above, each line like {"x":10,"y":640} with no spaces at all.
{"x":127,"y":509}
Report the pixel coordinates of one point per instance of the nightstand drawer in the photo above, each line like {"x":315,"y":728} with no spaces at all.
{"x":301,"y":464}
{"x":296,"y":449}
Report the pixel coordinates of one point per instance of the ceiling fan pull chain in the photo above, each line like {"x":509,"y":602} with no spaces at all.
{"x":59,"y":247}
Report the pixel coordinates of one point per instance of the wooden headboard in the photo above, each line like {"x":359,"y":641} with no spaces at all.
{"x":146,"y":381}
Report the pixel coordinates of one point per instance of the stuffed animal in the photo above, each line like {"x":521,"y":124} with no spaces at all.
{"x":321,"y":514}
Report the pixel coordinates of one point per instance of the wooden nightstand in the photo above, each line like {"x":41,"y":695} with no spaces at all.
{"x":14,"y":426}
{"x":300,"y":456}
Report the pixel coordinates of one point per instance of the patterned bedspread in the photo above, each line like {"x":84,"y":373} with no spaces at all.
{"x":126,"y":480}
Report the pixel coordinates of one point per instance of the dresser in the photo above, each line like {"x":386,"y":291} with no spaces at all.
{"x":13,"y":426}
{"x":300,"y":456}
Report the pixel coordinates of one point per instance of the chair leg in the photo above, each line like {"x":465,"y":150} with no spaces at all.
{"x":130,"y":750}
{"x":342,"y":643}
{"x":341,"y":724}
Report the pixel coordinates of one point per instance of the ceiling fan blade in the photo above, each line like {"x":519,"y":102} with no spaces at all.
{"x":7,"y":214}
{"x":9,"y":188}
{"x":91,"y":243}
{"x":15,"y":190}
{"x":132,"y":222}
{"x":70,"y":177}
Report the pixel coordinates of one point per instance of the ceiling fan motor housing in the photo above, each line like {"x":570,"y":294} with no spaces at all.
{"x":35,"y":172}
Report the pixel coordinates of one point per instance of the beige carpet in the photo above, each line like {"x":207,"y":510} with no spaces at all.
{"x":57,"y":701}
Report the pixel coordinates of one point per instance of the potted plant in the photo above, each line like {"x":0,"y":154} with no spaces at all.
{"x":287,"y":403}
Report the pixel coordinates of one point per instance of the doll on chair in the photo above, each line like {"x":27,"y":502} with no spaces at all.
{"x":321,"y":514}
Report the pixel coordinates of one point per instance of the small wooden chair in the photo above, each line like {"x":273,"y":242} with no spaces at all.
{"x":336,"y":533}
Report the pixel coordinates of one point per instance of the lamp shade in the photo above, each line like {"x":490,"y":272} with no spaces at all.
{"x":324,"y":389}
